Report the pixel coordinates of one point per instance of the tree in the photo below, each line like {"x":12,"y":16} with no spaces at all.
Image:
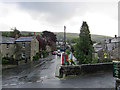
{"x":84,"y":47}
{"x":49,"y":35}
{"x":6,"y":34}
{"x":42,"y":42}
{"x":50,"y":38}
{"x":14,"y":32}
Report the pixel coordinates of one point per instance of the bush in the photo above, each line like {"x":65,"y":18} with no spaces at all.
{"x":4,"y":61}
{"x":44,"y":53}
{"x":37,"y":56}
{"x":107,"y":60}
{"x":94,"y":60}
{"x":9,"y":60}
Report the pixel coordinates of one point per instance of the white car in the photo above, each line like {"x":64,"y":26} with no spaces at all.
{"x":59,"y":54}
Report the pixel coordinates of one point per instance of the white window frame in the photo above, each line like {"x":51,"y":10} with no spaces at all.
{"x":23,"y":45}
{"x":23,"y":55}
{"x":7,"y":46}
{"x":7,"y":55}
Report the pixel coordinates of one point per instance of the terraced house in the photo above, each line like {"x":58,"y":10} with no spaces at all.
{"x":113,"y":47}
{"x":7,"y":46}
{"x":22,"y":48}
{"x":26,"y":48}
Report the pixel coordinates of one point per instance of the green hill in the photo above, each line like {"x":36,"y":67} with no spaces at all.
{"x":70,"y":36}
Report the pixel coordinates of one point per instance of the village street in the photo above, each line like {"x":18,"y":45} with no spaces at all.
{"x":43,"y":76}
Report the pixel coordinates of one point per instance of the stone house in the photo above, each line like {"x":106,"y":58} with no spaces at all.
{"x":7,"y":45}
{"x":108,"y":49}
{"x":98,"y":50}
{"x":22,"y":48}
{"x":112,"y":48}
{"x":26,"y":48}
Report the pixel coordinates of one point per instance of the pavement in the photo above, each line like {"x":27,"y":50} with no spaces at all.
{"x":44,"y":76}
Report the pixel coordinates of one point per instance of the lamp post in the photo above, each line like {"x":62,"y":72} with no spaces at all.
{"x":64,"y":37}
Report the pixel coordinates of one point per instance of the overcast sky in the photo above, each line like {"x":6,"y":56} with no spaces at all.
{"x":102,"y":17}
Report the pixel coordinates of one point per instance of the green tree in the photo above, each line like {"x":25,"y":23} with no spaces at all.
{"x":14,"y":32}
{"x":84,"y":47}
{"x":6,"y":34}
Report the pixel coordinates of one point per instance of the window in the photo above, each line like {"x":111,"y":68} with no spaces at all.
{"x":23,"y":55}
{"x":7,"y":55}
{"x":7,"y":46}
{"x":23,"y":45}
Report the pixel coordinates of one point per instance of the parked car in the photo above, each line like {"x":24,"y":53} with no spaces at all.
{"x":54,"y":53}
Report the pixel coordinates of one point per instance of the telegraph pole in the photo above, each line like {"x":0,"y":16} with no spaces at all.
{"x":64,"y":37}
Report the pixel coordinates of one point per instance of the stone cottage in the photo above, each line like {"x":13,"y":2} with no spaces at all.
{"x":98,"y":48}
{"x":112,"y":47}
{"x":26,"y":48}
{"x":109,"y":49}
{"x":21,"y":49}
{"x":7,"y":45}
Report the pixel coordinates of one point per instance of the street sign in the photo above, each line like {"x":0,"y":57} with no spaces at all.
{"x":116,"y":69}
{"x":105,"y":55}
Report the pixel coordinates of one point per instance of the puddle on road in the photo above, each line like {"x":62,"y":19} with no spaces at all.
{"x":27,"y":79}
{"x":44,"y":68}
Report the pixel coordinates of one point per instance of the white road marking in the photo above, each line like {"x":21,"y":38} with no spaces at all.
{"x":21,"y":83}
{"x":13,"y":84}
{"x":39,"y":80}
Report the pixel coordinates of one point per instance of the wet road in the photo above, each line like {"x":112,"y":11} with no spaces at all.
{"x":43,"y":76}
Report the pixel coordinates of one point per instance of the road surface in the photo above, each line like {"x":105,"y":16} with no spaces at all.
{"x":43,"y":76}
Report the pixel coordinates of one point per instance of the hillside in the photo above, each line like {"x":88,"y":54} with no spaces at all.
{"x":70,"y":36}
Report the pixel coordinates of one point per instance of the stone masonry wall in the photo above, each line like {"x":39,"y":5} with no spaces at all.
{"x":86,"y":68}
{"x":20,"y":50}
{"x":34,"y":48}
{"x":9,"y":50}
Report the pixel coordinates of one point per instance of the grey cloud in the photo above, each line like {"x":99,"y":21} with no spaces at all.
{"x":56,"y":12}
{"x":59,"y":12}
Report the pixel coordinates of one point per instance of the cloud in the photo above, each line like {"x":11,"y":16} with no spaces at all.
{"x":12,"y":16}
{"x":61,"y":11}
{"x":55,"y":12}
{"x":52,"y":16}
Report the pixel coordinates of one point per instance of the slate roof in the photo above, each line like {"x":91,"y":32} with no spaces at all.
{"x":6,"y":40}
{"x":112,"y":45}
{"x":115,"y":40}
{"x":97,"y":47}
{"x":21,"y":39}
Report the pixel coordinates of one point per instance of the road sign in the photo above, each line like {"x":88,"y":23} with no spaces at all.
{"x":116,"y":69}
{"x":105,"y":55}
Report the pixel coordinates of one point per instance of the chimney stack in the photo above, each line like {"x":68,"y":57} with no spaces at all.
{"x":34,"y":33}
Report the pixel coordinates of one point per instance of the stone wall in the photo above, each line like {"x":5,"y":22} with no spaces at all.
{"x":34,"y":48}
{"x":9,"y":50}
{"x":85,"y":68}
{"x":19,"y":50}
{"x":92,"y":68}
